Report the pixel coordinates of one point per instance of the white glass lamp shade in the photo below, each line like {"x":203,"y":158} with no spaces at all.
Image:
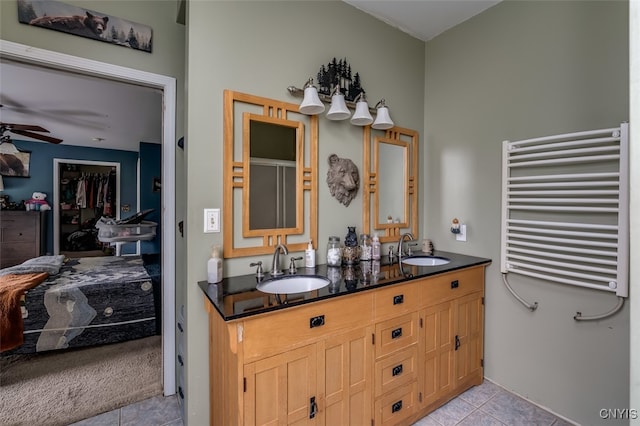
{"x":338,"y":110}
{"x":383,"y":120}
{"x":311,"y":104}
{"x":361,"y":117}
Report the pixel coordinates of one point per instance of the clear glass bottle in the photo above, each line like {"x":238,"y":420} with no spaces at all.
{"x":376,"y":248}
{"x":365,"y":247}
{"x":334,"y":252}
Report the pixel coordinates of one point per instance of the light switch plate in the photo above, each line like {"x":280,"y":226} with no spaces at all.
{"x":462,"y":236}
{"x":211,"y":220}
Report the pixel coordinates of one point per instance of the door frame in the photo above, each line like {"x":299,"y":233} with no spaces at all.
{"x":56,"y":193}
{"x":34,"y":55}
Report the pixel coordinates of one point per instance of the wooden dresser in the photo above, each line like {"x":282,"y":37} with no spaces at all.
{"x":22,"y":236}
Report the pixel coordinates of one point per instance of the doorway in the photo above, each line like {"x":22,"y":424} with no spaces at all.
{"x":167,"y":85}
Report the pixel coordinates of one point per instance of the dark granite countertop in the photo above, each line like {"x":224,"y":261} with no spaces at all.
{"x":237,"y":297}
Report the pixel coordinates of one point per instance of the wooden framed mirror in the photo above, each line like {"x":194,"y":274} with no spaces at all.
{"x":390,"y":195}
{"x":270,"y":176}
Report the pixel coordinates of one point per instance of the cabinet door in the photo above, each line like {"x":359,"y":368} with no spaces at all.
{"x":281,"y":390}
{"x":468,"y":339}
{"x":344,"y":372}
{"x":438,"y":351}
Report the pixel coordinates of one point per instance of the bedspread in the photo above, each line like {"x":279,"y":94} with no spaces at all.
{"x":92,"y":300}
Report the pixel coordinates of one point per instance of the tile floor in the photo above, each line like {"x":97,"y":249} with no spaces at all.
{"x":484,"y":405}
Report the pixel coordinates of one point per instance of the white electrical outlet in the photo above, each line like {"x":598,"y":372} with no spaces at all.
{"x":462,"y":236}
{"x":211,"y":220}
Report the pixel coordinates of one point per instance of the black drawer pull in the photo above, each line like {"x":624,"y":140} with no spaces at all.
{"x":457,"y":343}
{"x":397,"y":406}
{"x":180,"y":327}
{"x":316,"y":321}
{"x":180,"y":360}
{"x":313,"y":410}
{"x":180,"y":392}
{"x":454,"y":284}
{"x":397,"y":300}
{"x":396,"y":370}
{"x":396,"y":333}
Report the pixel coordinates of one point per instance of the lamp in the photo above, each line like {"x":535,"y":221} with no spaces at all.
{"x":311,"y":104}
{"x":361,"y":117}
{"x":338,"y":110}
{"x":383,"y":120}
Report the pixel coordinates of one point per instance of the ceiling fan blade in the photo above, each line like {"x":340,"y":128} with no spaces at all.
{"x":37,"y":136}
{"x":34,"y":128}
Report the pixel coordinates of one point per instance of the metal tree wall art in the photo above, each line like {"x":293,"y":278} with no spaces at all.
{"x":339,"y":73}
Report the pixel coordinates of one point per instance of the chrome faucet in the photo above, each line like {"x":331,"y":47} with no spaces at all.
{"x":275,"y":265}
{"x":400,"y":252}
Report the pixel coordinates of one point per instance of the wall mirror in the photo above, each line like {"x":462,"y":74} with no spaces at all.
{"x":390,"y":196}
{"x":270,"y":176}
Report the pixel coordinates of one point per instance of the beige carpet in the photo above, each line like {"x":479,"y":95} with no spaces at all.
{"x":59,"y":388}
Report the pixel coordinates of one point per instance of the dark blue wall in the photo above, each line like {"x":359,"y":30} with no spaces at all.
{"x":41,"y":174}
{"x":150,"y":168}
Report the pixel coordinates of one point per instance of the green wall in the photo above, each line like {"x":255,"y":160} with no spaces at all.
{"x":167,"y":58}
{"x":261,"y":48}
{"x":519,"y":70}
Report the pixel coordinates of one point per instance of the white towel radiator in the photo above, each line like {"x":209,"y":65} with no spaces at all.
{"x":565,"y":209}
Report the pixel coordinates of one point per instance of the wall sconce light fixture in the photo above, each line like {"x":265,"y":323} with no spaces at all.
{"x":338,"y":110}
{"x":311,"y":103}
{"x":340,"y":86}
{"x":362,"y":116}
{"x":383,"y":119}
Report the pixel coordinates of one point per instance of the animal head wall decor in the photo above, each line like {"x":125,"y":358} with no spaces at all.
{"x":343,"y":179}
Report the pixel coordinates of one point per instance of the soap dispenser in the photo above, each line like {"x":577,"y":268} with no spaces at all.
{"x":214,"y":266}
{"x":310,"y":256}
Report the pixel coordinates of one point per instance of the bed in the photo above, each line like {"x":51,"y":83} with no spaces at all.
{"x":92,"y":301}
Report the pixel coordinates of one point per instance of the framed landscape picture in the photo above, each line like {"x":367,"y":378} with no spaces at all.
{"x":75,"y":20}
{"x":15,"y":164}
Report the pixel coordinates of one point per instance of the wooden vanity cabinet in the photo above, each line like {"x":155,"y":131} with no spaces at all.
{"x":302,"y":365}
{"x":452,"y":336}
{"x":387,"y":356}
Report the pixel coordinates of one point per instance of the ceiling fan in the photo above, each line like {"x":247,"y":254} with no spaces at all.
{"x":25,"y":130}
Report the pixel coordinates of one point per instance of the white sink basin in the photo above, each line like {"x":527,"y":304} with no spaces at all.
{"x":426,"y":261}
{"x":291,"y":284}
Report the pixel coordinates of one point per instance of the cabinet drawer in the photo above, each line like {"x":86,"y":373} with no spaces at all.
{"x":397,"y":405}
{"x":397,"y":300}
{"x":396,"y":334}
{"x":452,"y":285}
{"x":268,"y":334}
{"x":19,"y":233}
{"x":17,"y":252}
{"x":396,"y":370}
